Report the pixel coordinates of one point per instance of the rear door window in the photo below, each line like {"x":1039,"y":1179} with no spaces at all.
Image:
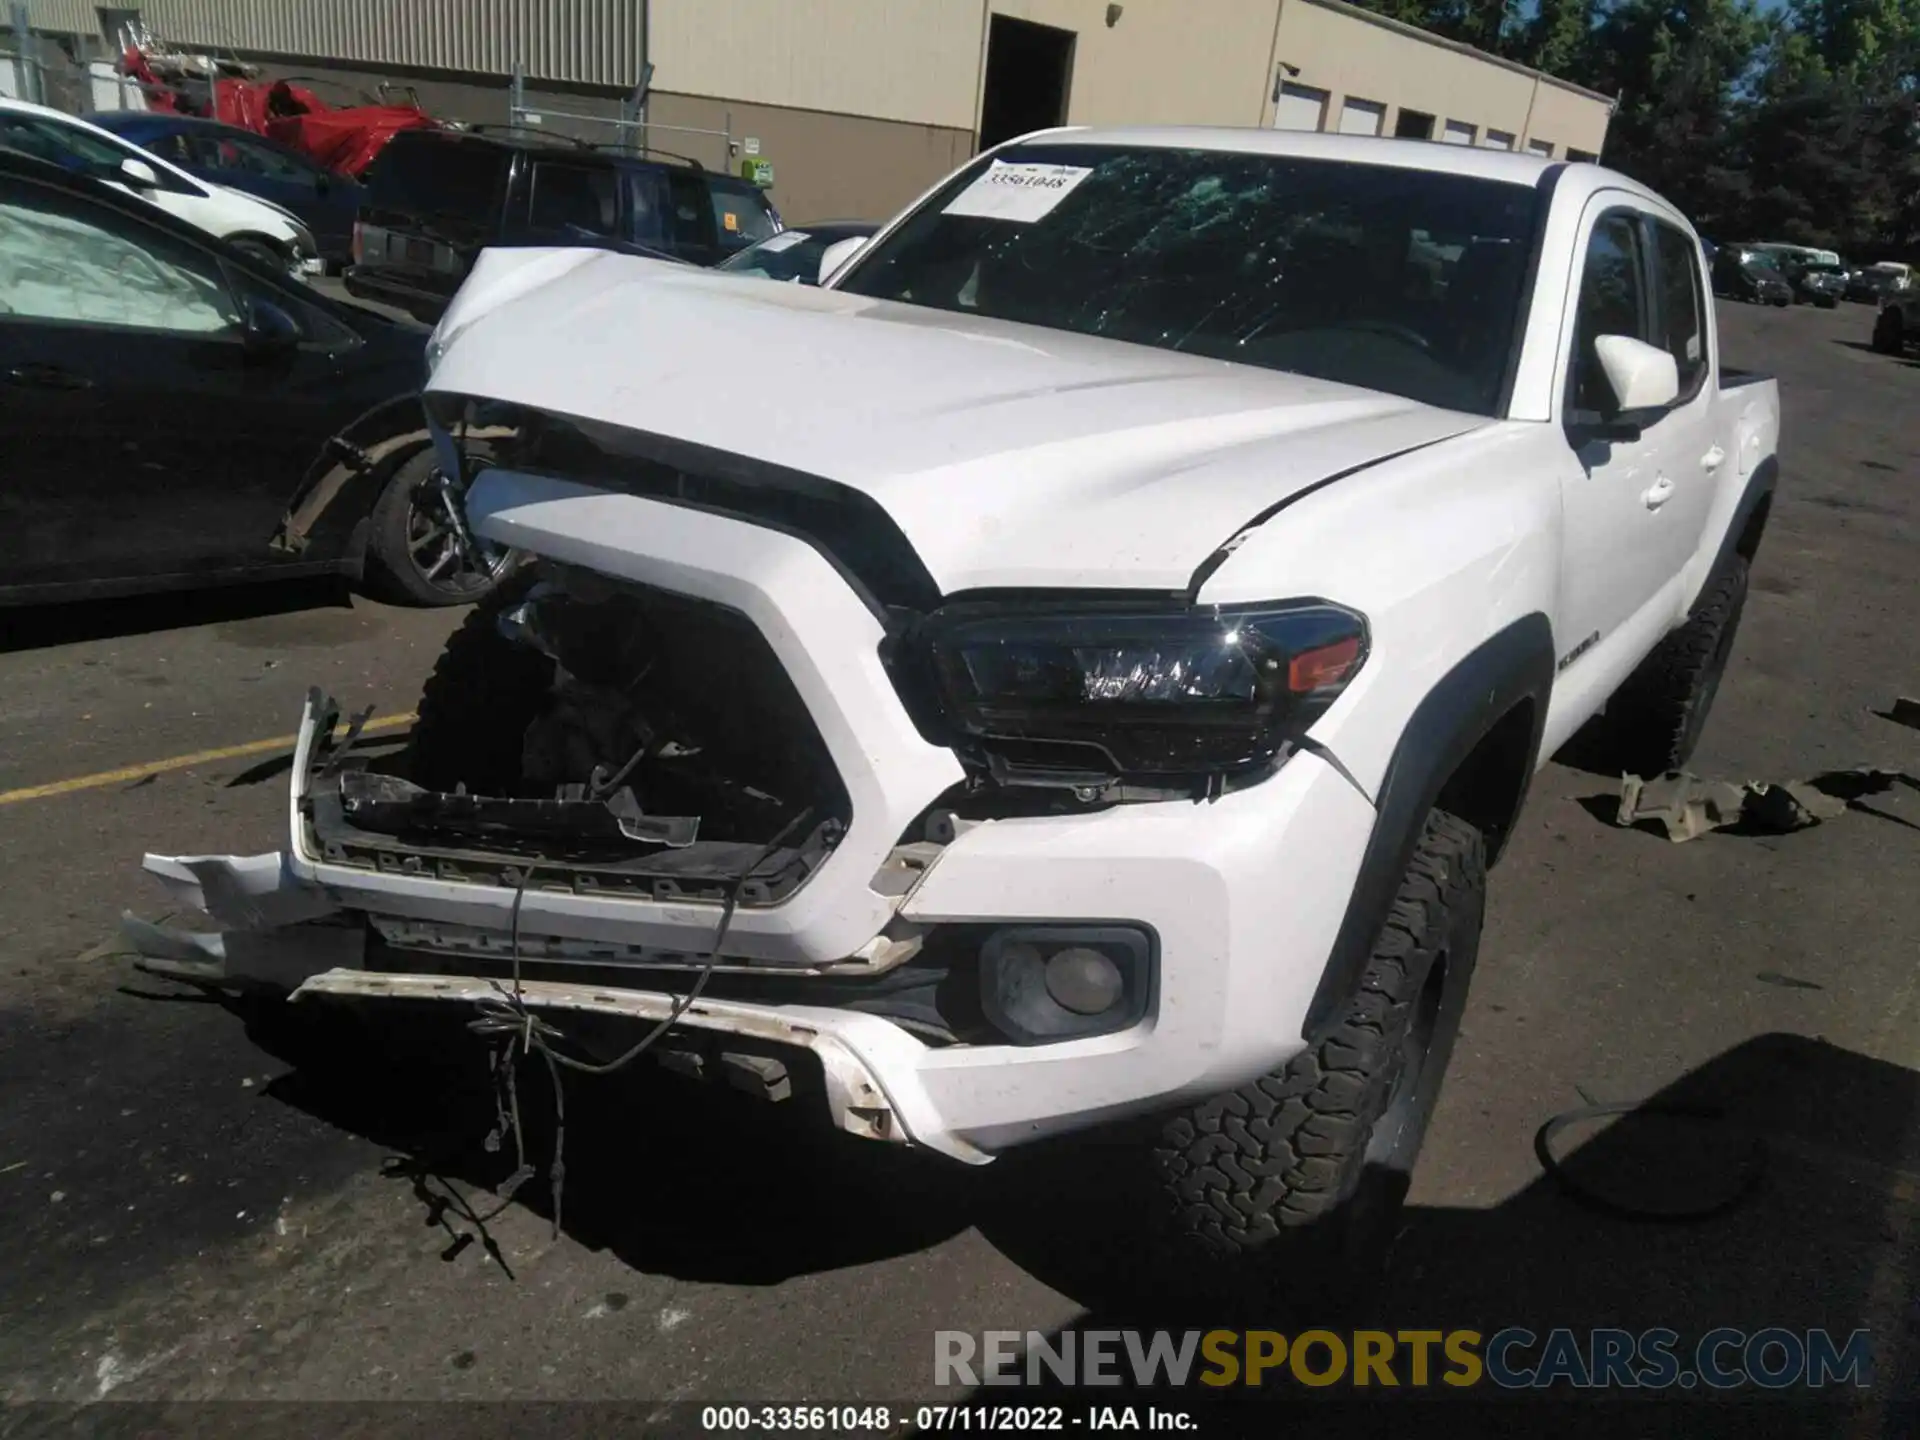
{"x":690,"y":216}
{"x":570,"y":200}
{"x":647,"y":203}
{"x":1682,"y":306}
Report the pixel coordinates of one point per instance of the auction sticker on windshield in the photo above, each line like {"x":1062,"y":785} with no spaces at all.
{"x":1020,"y":193}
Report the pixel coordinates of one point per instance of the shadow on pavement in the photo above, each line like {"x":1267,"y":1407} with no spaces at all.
{"x":1826,"y":1241}
{"x":36,"y":627}
{"x":673,"y":1176}
{"x":676,"y":1178}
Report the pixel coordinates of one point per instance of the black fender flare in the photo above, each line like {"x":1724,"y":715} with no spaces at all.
{"x":1755,"y":501}
{"x":354,"y":463}
{"x":1510,"y":667}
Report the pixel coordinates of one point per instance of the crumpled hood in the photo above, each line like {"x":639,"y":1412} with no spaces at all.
{"x":1008,"y":455}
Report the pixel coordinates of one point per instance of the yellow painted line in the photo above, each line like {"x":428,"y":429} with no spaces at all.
{"x":126,"y":774}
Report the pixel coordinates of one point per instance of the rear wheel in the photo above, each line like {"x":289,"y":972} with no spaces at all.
{"x":414,"y":556}
{"x":1889,"y":332}
{"x":1654,"y":722}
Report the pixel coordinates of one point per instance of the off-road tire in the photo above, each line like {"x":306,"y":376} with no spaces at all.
{"x":1889,"y":332}
{"x":1654,"y":722}
{"x":477,"y":704}
{"x":390,"y":572}
{"x":1295,"y":1178}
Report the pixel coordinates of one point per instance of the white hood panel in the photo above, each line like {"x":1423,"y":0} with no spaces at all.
{"x":1010,"y":456}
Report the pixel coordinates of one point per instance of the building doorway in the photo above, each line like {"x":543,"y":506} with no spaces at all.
{"x":1028,"y":69}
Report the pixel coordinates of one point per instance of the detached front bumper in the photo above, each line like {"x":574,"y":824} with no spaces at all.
{"x":1242,"y":895}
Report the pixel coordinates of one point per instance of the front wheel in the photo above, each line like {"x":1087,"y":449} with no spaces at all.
{"x":414,"y":556}
{"x":1295,"y":1180}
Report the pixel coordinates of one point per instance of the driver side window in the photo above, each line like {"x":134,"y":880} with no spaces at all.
{"x":1613,"y":301}
{"x":64,"y":260}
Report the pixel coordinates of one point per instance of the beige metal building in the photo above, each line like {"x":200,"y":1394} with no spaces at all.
{"x":860,"y":104}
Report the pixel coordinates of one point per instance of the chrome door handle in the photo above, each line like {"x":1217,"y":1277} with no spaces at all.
{"x":1658,"y":493}
{"x":1711,"y":460}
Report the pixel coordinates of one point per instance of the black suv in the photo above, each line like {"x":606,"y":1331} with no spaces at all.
{"x":436,"y":198}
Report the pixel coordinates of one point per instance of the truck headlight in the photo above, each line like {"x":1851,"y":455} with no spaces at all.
{"x":1157,"y":692}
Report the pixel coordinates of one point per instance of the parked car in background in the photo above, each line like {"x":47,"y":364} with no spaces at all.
{"x":1897,"y":325}
{"x":794,"y":254}
{"x":264,"y":230}
{"x":1873,"y":283}
{"x":164,"y":395}
{"x":1816,"y":282}
{"x":436,"y":198}
{"x":326,"y":203}
{"x":1742,"y":274}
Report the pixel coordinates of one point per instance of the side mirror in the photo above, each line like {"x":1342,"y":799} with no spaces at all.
{"x":1641,"y":376}
{"x":268,"y":330}
{"x":139,"y":174}
{"x":837,"y":255}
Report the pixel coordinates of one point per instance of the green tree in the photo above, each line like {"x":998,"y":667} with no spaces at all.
{"x":1677,"y":66}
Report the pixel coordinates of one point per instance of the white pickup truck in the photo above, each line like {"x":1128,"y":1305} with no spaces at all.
{"x":1069,"y":671}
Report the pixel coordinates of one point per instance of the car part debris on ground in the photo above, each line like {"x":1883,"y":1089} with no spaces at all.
{"x":1689,"y":806}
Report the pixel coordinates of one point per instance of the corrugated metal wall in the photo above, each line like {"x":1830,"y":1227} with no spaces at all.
{"x":593,"y":42}
{"x":911,"y":60}
{"x":69,"y":17}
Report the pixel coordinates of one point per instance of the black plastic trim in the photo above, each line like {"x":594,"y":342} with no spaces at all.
{"x":1140,"y":996}
{"x":1512,"y":666}
{"x":1545,"y":187}
{"x":1760,"y":485}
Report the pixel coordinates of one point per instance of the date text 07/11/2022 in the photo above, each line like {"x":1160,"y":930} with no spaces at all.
{"x":880,"y":1419}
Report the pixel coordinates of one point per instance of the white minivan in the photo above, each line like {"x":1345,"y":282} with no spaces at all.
{"x":259,"y":227}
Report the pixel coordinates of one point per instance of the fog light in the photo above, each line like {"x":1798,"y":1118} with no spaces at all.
{"x":1084,"y":980}
{"x":1043,"y":984}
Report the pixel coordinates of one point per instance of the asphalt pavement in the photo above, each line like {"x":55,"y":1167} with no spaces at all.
{"x":214,"y":1202}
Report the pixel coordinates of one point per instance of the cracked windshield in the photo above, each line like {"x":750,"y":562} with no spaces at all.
{"x":1397,"y":280}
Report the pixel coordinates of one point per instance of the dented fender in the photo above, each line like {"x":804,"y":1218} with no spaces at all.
{"x":357,"y":460}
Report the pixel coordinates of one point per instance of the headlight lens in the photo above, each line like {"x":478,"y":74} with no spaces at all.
{"x":1146,"y":692}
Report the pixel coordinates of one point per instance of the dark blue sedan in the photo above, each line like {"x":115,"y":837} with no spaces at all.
{"x":227,"y":155}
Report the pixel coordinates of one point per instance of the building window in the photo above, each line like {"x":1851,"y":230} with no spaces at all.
{"x":1540,"y":147}
{"x":1585,"y":155}
{"x":1412,"y":125}
{"x":1300,"y":107}
{"x":1458,"y":132}
{"x":1362,"y":117}
{"x":1496,"y":140}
